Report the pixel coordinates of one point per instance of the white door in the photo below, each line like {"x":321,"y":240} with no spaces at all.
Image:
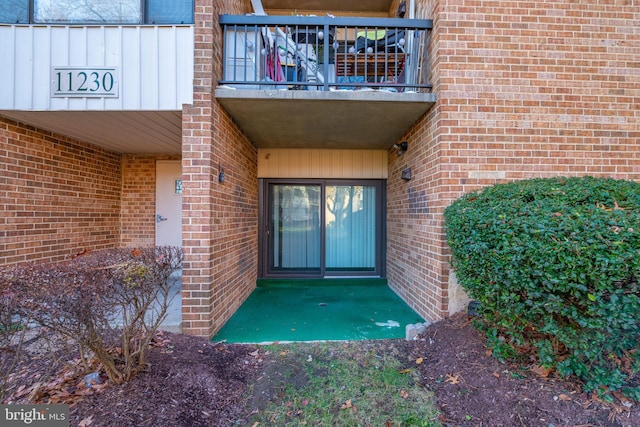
{"x":169,"y":203}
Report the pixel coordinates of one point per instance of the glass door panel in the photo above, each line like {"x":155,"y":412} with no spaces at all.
{"x":350,"y":220}
{"x":295,"y":232}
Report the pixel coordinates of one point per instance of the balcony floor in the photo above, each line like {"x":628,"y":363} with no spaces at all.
{"x":358,"y":119}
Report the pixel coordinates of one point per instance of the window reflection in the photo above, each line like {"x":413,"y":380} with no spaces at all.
{"x":87,"y":11}
{"x":14,"y":11}
{"x":170,"y":12}
{"x":156,"y":12}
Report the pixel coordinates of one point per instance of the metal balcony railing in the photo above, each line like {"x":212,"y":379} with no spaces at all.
{"x":325,"y":53}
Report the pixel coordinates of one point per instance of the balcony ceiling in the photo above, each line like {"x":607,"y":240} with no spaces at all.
{"x":329,"y":5}
{"x":152,"y":132}
{"x":315,"y":119}
{"x":271,"y":119}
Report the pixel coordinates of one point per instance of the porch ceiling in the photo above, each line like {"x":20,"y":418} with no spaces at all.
{"x":152,"y":132}
{"x":317,"y":119}
{"x":330,"y":5}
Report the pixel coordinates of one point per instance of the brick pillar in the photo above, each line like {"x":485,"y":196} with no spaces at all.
{"x":197,"y":197}
{"x":219,"y":219}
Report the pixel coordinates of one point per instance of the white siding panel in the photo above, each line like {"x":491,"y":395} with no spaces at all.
{"x":23,"y":76}
{"x":7,"y":56}
{"x":41,"y":74}
{"x":130,"y":81}
{"x":58,"y":56}
{"x":167,"y":68}
{"x":149,"y":79}
{"x":113,"y":56}
{"x":155,"y":65}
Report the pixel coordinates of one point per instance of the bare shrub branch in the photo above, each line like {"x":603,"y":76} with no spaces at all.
{"x":110,"y":302}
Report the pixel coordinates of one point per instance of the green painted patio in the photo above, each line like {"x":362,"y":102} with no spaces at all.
{"x":319,"y":310}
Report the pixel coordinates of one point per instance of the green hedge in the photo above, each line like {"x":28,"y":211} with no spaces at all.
{"x":555,"y":264}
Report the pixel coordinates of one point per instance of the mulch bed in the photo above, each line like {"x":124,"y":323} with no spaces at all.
{"x":193,"y":382}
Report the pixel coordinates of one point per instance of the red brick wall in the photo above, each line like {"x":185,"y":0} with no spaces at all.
{"x":525,"y":89}
{"x":58,"y":196}
{"x":219,"y":219}
{"x":138,"y":227}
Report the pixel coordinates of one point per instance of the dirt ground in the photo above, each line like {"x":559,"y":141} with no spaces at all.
{"x":193,"y":382}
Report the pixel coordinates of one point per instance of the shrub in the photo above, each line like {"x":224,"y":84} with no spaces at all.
{"x":12,"y":333}
{"x":555,"y":265}
{"x":110,"y":302}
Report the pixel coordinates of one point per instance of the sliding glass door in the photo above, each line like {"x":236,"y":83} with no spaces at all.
{"x":350,"y":227}
{"x":295,"y":229}
{"x":322,"y":228}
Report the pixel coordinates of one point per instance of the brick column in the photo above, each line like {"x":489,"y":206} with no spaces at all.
{"x":219,"y":219}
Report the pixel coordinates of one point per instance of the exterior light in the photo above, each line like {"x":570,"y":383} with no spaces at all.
{"x":401,"y":147}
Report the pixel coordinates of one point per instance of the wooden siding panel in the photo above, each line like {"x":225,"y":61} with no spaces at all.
{"x":314,"y":163}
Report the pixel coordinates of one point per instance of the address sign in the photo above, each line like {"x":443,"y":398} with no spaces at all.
{"x":89,"y":82}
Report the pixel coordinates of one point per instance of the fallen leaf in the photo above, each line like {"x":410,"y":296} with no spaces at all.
{"x":404,"y":371}
{"x":542,"y":371}
{"x":564,"y":397}
{"x":404,"y":394}
{"x":453,"y":379}
{"x":346,"y":405}
{"x":255,"y":353}
{"x":495,"y":374}
{"x":86,"y":422}
{"x":419,"y":361}
{"x":388,"y":423}
{"x":626,"y":402}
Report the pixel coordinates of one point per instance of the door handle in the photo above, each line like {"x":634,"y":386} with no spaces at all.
{"x":160,"y":218}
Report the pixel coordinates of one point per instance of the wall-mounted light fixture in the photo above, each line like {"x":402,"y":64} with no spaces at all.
{"x":221,"y":175}
{"x":401,"y":147}
{"x":406,"y":174}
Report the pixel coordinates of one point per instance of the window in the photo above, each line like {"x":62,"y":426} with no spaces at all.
{"x":169,"y":12}
{"x":14,"y":11}
{"x":87,"y":11}
{"x":126,"y":12}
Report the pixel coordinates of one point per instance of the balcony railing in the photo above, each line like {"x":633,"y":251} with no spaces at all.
{"x":325,"y":53}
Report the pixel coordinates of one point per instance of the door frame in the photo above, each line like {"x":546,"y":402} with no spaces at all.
{"x":263,"y":227}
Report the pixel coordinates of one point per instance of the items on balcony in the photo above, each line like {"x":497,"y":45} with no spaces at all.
{"x":313,"y":53}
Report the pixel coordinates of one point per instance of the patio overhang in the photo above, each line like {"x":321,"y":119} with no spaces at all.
{"x":151,"y":132}
{"x":369,"y":119}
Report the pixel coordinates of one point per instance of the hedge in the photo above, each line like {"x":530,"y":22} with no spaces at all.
{"x":555,"y":264}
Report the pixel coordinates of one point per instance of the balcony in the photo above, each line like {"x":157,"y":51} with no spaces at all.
{"x":324,"y":82}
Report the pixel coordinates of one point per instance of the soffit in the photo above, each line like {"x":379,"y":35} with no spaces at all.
{"x":152,"y":132}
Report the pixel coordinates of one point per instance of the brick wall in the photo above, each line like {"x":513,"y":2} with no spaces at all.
{"x":525,"y":89}
{"x":58,"y":196}
{"x":138,"y":227}
{"x":219,"y":219}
